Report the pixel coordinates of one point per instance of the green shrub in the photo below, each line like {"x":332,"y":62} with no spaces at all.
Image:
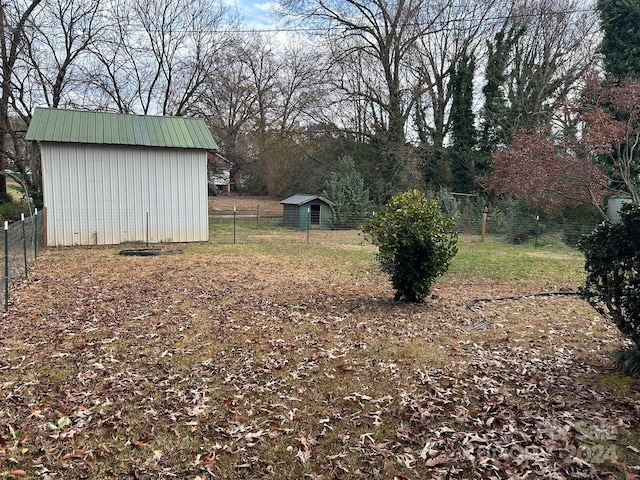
{"x":612,"y":262}
{"x":416,"y":243}
{"x":627,"y":359}
{"x":11,"y":211}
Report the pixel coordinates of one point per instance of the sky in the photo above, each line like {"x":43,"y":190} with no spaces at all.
{"x":258,"y":15}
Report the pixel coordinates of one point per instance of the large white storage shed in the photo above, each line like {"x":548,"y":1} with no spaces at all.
{"x":111,"y":178}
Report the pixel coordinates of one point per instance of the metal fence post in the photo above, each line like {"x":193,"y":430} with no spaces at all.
{"x":6,"y":266}
{"x":24,"y":248}
{"x":234,"y":225}
{"x":35,"y":235}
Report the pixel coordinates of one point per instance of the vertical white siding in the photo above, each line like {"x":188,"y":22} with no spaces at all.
{"x":96,"y":194}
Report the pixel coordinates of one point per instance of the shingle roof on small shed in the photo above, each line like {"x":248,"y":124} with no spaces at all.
{"x":72,"y":126}
{"x":300,"y":199}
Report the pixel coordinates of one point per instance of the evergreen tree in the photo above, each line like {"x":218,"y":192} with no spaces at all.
{"x":466,"y":161}
{"x":495,"y":108}
{"x":620,"y":22}
{"x":463,"y":128}
{"x":436,"y":166}
{"x":434,"y":159}
{"x":347,"y":190}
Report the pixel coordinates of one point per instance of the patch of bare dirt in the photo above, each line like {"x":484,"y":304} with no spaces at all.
{"x":266,"y":206}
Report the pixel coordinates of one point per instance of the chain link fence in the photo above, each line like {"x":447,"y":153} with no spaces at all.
{"x":21,"y":242}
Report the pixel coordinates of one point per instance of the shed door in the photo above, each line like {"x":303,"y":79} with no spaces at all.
{"x":315,"y":215}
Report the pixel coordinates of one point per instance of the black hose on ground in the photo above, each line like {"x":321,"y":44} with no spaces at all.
{"x":469,"y":305}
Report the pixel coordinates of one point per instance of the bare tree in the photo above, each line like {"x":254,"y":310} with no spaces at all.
{"x":465,"y":26}
{"x":372,"y":44}
{"x":299,"y":94}
{"x":541,"y":53}
{"x":48,"y":70}
{"x":112,"y":80}
{"x":266,"y":93}
{"x":13,"y":18}
{"x":61,"y":35}
{"x":157,"y":55}
{"x":300,"y":84}
{"x":378,"y":35}
{"x":228,"y":103}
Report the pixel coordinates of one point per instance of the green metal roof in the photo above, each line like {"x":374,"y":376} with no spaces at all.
{"x":300,"y":199}
{"x":72,"y":126}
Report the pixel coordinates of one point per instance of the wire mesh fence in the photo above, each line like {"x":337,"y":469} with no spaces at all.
{"x":242,"y":225}
{"x":247,"y":226}
{"x":526,"y":228}
{"x":21,"y":242}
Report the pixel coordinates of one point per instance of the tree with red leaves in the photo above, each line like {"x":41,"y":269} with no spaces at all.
{"x":554,"y":174}
{"x":550,"y":174}
{"x":611,"y":117}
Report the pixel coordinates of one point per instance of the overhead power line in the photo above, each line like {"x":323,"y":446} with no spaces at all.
{"x":441,"y":25}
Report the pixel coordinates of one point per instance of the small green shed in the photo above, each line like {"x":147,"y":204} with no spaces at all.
{"x":307,"y":211}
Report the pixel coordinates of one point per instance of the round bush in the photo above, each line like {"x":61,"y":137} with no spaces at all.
{"x":612,"y":287}
{"x":416,"y":243}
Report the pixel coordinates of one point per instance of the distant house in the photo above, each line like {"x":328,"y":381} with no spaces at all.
{"x":218,"y":174}
{"x":111,"y":178}
{"x":307,"y":211}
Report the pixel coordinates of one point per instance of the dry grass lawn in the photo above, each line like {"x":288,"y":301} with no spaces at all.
{"x":289,"y":360}
{"x":266,"y":205}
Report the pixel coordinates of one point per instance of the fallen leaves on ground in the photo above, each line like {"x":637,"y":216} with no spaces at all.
{"x":250,"y":366}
